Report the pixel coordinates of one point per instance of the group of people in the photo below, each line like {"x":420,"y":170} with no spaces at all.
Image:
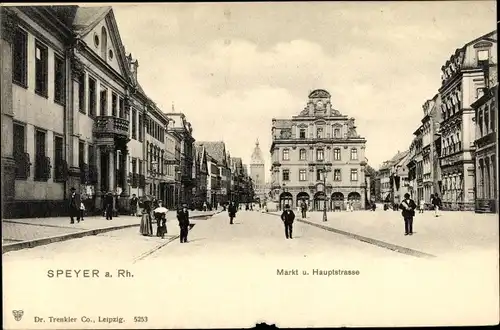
{"x":154,"y":210}
{"x":77,"y":207}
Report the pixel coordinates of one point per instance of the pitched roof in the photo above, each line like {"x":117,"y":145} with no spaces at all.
{"x":400,"y":155}
{"x":86,"y":18}
{"x":215,"y":149}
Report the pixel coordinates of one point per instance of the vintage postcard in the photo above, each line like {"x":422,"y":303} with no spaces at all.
{"x":230,"y":165}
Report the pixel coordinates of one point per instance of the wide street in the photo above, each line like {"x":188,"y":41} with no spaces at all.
{"x":236,"y":270}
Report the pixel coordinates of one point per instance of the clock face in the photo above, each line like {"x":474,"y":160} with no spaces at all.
{"x":319,"y":104}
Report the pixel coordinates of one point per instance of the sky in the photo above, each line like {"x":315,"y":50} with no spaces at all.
{"x":232,"y":67}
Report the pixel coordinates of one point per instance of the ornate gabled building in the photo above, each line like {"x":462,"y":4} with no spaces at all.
{"x":318,"y":138}
{"x":182,"y":131}
{"x":258,"y":173}
{"x":201,"y":174}
{"x":219,"y":176}
{"x":462,"y":84}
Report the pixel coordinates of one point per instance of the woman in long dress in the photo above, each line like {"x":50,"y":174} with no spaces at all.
{"x":146,"y":228}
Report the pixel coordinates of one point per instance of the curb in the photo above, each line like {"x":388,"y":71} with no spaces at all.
{"x":65,"y":237}
{"x":382,"y":244}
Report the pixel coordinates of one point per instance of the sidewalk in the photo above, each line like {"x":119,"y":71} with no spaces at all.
{"x":451,"y":232}
{"x":22,"y":233}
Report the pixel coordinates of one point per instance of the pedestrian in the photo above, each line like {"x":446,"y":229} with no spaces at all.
{"x":146,"y":228}
{"x":436,"y":202}
{"x":205,"y":206}
{"x":287,"y":217}
{"x":74,"y":206}
{"x":108,"y":205}
{"x":161,"y":220}
{"x":82,"y":210}
{"x":421,"y":206}
{"x":303,"y":208}
{"x":374,"y":206}
{"x":133,"y":205}
{"x":231,"y":210}
{"x":408,"y":211}
{"x":183,"y":217}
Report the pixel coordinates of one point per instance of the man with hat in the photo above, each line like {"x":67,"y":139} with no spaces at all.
{"x":287,"y":217}
{"x":74,"y":206}
{"x":231,"y":210}
{"x":183,"y":217}
{"x":108,"y":205}
{"x":408,"y":212}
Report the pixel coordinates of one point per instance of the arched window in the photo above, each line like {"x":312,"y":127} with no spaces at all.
{"x":104,"y":43}
{"x":336,"y":133}
{"x":302,"y":154}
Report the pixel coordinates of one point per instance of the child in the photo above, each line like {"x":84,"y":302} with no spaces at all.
{"x":422,"y":206}
{"x":82,"y":210}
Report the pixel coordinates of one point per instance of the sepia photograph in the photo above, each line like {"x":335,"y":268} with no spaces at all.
{"x":182,"y":165}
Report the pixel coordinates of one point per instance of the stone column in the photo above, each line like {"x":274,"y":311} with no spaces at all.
{"x":9,"y":24}
{"x":98,"y":193}
{"x":72,"y":121}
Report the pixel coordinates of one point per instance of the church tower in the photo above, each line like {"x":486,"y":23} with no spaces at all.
{"x":258,"y":173}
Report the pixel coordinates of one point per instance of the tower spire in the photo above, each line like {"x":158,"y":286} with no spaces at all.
{"x":173,"y":108}
{"x":257,"y":142}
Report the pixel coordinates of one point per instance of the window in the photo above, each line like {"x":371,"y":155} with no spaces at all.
{"x":91,"y":155}
{"x":302,"y":175}
{"x":81,"y":153}
{"x":286,"y":175}
{"x":302,"y":133}
{"x":81,"y":93}
{"x":336,"y":175}
{"x":122,"y":108}
{"x":134,"y":124}
{"x":41,"y":69}
{"x":58,"y":157}
{"x":114,"y":104}
{"x":320,"y":155}
{"x":336,"y":133}
{"x":319,"y":133}
{"x":40,"y":147}
{"x":354,"y":154}
{"x":141,"y":129}
{"x":486,"y":119}
{"x":479,"y":122}
{"x":483,"y":55}
{"x":354,"y":174}
{"x":286,"y":154}
{"x":302,"y":154}
{"x":336,"y":154}
{"x":20,"y":58}
{"x":92,"y":97}
{"x":319,"y":175}
{"x":104,"y":102}
{"x":134,"y":165}
{"x":19,"y":140}
{"x":59,"y":80}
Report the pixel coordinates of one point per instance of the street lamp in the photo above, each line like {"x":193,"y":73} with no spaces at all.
{"x":325,"y":168}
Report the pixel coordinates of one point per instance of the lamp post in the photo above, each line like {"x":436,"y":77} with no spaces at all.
{"x":325,"y":169}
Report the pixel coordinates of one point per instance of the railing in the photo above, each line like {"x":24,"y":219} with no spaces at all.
{"x":42,"y":168}
{"x":23,"y":165}
{"x":111,"y":125}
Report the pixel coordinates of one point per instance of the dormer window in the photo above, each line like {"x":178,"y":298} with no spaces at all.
{"x":319,"y":132}
{"x":336,"y":133}
{"x":483,"y":55}
{"x":302,"y":133}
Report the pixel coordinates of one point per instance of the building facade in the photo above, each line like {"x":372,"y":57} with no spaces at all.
{"x":486,"y":144}
{"x":258,"y":173}
{"x":462,"y":84}
{"x":318,"y":146}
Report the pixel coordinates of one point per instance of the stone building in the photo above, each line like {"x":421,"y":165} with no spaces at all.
{"x":462,"y":84}
{"x":319,"y":138}
{"x":258,"y":173}
{"x":219,"y":172}
{"x":486,"y":117}
{"x":75,"y":115}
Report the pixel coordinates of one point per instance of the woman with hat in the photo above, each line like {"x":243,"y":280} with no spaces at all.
{"x":146,"y":228}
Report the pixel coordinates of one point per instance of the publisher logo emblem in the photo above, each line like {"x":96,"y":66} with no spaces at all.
{"x":18,"y":315}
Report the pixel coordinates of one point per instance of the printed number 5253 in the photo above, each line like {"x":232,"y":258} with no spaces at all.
{"x":140,"y":318}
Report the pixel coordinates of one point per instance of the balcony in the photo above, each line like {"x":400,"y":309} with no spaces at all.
{"x":111,"y":127}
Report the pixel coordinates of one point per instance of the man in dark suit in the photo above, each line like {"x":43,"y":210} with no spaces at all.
{"x":108,"y":205}
{"x":231,"y":210}
{"x":408,"y":211}
{"x":287,"y":217}
{"x":303,"y":208}
{"x":183,"y":217}
{"x":74,"y":206}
